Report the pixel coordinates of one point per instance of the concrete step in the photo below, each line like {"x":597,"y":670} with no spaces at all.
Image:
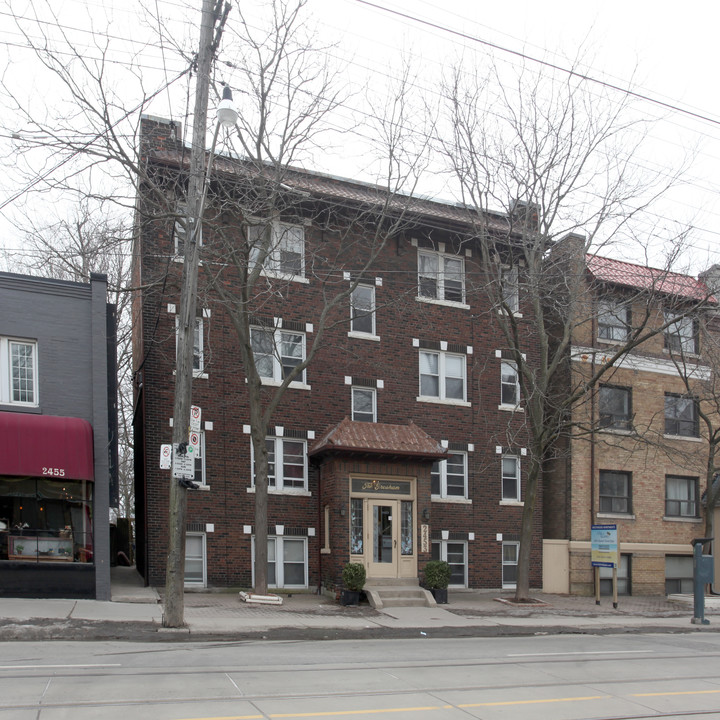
{"x":406,"y":595}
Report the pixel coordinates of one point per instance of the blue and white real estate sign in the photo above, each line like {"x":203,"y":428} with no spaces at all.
{"x":604,"y":545}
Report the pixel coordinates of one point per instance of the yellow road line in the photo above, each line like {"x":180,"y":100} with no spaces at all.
{"x":380,"y":711}
{"x":377,"y":711}
{"x":678,"y":692}
{"x":532,"y":702}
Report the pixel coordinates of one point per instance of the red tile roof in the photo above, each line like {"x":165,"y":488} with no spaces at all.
{"x":378,"y":439}
{"x":642,"y":277}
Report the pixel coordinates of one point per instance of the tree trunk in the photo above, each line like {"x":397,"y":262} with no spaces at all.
{"x":522,"y":588}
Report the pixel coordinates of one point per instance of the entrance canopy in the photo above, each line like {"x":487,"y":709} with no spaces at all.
{"x":46,"y":446}
{"x":378,"y":439}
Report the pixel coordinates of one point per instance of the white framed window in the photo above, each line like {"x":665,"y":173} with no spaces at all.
{"x":195,"y":559}
{"x":287,"y":464}
{"x":364,"y":404}
{"x":442,"y":376}
{"x":510,"y":288}
{"x":441,"y":276}
{"x":613,"y":319}
{"x":511,"y":478}
{"x":362,"y":310}
{"x":285,"y":248}
{"x":449,"y":478}
{"x":509,"y":385}
{"x":18,"y":372}
{"x":454,"y":553}
{"x":287,"y":562}
{"x":682,"y":335}
{"x":277,"y":352}
{"x":198,"y":346}
{"x":510,"y":554}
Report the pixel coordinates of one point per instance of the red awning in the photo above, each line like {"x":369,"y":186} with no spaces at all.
{"x":46,"y":446}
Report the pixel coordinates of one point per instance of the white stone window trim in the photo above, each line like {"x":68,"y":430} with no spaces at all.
{"x":445,"y":303}
{"x":6,"y":381}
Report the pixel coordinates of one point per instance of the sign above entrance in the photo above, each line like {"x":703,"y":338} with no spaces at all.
{"x":381,"y":486}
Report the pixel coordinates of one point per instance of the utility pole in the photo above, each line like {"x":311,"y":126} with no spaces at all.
{"x":174,"y":610}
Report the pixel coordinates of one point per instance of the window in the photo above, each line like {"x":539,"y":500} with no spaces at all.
{"x":448,"y":478}
{"x":509,"y":385}
{"x":682,"y":335}
{"x":623,"y":578}
{"x":287,"y":464}
{"x":285,"y":247}
{"x":195,"y":554}
{"x":681,"y":417}
{"x":198,"y":345}
{"x":364,"y":402}
{"x":511,"y":478}
{"x":455,"y":555}
{"x":678,"y":574}
{"x":442,"y":376}
{"x":681,"y":496}
{"x":362,"y":310}
{"x":18,"y":372}
{"x":287,"y":562}
{"x":615,"y":492}
{"x":277,"y":352}
{"x":441,"y":277}
{"x":615,"y":407}
{"x":613,"y":320}
{"x":510,"y":288}
{"x":44,"y":520}
{"x":510,"y":553}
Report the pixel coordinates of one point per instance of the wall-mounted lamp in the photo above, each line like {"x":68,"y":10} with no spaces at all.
{"x":342,"y":509}
{"x":426,"y":514}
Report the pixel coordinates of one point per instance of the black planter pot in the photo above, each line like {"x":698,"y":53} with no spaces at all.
{"x":350,"y":597}
{"x":440,"y":595}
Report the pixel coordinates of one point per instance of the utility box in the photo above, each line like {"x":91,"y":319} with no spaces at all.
{"x":703,"y":574}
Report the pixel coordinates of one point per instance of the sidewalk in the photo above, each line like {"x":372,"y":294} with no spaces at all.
{"x":136,"y":614}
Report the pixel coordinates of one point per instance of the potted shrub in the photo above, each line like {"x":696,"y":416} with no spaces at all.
{"x":353,"y":577}
{"x":437,"y":579}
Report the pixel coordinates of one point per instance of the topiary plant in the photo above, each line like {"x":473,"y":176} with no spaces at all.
{"x":437,"y":575}
{"x":353,"y":576}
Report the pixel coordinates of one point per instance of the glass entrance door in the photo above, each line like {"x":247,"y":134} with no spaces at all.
{"x":383,"y":541}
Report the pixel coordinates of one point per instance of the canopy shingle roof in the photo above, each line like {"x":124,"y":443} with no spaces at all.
{"x":378,"y":439}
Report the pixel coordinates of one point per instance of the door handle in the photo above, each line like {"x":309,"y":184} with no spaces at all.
{"x":394,"y":543}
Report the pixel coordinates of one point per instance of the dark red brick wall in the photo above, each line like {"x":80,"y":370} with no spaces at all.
{"x":224,"y":402}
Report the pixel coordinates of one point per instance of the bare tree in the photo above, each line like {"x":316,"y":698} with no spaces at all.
{"x":552,"y":156}
{"x":290,"y":92}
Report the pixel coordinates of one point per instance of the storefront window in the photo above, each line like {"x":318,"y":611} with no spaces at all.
{"x":45,"y":520}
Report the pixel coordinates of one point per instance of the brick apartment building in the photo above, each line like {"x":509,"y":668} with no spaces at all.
{"x":404,"y":438}
{"x":639,"y":459}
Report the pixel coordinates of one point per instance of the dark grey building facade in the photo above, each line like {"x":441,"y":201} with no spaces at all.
{"x":58,"y":436}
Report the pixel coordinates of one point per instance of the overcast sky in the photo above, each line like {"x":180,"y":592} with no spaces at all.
{"x":663,"y":53}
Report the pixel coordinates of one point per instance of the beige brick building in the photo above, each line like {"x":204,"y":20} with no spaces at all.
{"x":637,"y":455}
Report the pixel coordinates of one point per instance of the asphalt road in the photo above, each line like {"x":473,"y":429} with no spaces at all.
{"x":543,"y":677}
